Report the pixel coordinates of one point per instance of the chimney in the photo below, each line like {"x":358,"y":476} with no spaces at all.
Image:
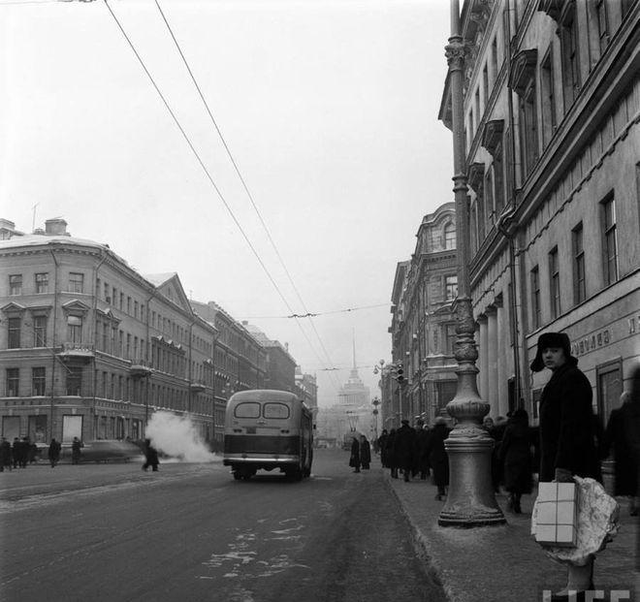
{"x":56,"y":227}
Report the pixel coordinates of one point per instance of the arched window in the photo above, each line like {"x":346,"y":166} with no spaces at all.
{"x":449,"y":236}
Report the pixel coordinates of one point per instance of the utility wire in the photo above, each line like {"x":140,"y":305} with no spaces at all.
{"x":204,"y":168}
{"x":244,"y":184}
{"x":320,"y":313}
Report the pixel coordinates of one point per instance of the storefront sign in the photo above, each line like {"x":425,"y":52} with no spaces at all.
{"x":598,"y":339}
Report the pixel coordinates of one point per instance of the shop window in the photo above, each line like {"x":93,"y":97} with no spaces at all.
{"x":609,"y":383}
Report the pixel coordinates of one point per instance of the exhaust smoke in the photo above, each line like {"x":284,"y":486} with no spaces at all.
{"x":176,"y":436}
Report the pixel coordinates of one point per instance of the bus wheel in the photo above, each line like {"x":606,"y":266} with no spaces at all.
{"x":236,"y":475}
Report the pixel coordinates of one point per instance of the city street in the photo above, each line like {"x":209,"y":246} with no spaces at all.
{"x":190,"y":532}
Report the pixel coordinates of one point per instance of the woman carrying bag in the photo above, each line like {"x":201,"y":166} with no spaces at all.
{"x":567,"y":435}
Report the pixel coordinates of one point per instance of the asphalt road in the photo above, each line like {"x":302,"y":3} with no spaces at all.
{"x":190,"y":532}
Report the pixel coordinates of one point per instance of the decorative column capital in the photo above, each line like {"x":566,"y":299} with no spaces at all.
{"x":455,"y":51}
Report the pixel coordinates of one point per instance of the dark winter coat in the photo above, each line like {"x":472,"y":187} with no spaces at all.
{"x":365,"y":454}
{"x":382,"y":446}
{"x":404,"y":447}
{"x":422,"y":453}
{"x":6,"y":456}
{"x":626,"y":462}
{"x":567,"y":433}
{"x":516,"y":457}
{"x":354,"y":458}
{"x":390,"y":446}
{"x":438,"y":457}
{"x":54,"y":451}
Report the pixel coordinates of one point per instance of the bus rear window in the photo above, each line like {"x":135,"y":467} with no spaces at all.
{"x":248,"y":409}
{"x":275,"y":410}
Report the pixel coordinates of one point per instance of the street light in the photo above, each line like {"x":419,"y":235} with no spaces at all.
{"x":376,"y":403}
{"x":471,"y":500}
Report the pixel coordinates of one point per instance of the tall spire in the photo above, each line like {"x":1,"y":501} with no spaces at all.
{"x":354,"y":348}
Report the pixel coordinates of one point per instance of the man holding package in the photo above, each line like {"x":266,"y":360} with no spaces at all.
{"x":567,"y":433}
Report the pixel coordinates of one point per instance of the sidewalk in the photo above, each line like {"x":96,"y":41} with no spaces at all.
{"x":504,"y":563}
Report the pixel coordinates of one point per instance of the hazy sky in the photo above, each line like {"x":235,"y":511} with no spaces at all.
{"x":329,"y":110}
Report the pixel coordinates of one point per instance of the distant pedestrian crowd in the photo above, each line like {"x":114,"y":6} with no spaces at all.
{"x":23,"y":452}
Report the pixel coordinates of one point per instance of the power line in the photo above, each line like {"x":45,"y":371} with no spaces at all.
{"x":204,"y":168}
{"x":244,"y":183}
{"x":322,"y":313}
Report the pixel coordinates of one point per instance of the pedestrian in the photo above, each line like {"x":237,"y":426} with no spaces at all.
{"x":76,"y":445}
{"x":54,"y":452}
{"x":619,"y":439}
{"x":365,"y":453}
{"x":382,"y":446}
{"x":150,"y":456}
{"x":6,"y":457}
{"x":422,"y":455}
{"x":390,"y":453}
{"x":567,"y":433}
{"x":16,"y":452}
{"x":354,"y":458}
{"x":404,"y":449}
{"x":516,"y":459}
{"x":438,"y":458}
{"x":25,"y":447}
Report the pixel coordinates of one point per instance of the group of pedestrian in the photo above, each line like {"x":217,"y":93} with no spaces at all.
{"x":417,"y":452}
{"x":17,"y":455}
{"x":360,"y":453}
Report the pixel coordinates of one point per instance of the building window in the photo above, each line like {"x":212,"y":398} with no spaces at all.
{"x":38,"y":380}
{"x":488,"y":198}
{"x":493,"y":57}
{"x":15,"y":284}
{"x":609,"y":383}
{"x":549,"y":117}
{"x":529,"y":127}
{"x":42,"y":283}
{"x":449,"y":236}
{"x":76,"y":282}
{"x":450,"y":338}
{"x":15,"y":326}
{"x":445,"y":392}
{"x":554,"y":283}
{"x":610,"y":242}
{"x":603,"y":25}
{"x":74,"y":329}
{"x":536,"y":318}
{"x":570,"y":58}
{"x":74,"y":380}
{"x":450,"y":287}
{"x":579,"y":276}
{"x":13,"y":382}
{"x":40,"y":331}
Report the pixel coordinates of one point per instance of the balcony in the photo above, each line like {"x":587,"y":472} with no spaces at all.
{"x":76,"y":352}
{"x":197,"y":386}
{"x":140,"y":368}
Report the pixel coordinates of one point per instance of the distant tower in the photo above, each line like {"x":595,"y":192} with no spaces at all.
{"x":353,"y":392}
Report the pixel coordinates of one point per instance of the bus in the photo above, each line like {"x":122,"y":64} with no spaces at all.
{"x":267,"y":429}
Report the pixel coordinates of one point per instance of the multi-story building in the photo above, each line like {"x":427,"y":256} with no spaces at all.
{"x":551,"y":103}
{"x":240,"y":360}
{"x":90,"y":348}
{"x":423,"y":323}
{"x":307,"y":389}
{"x":281,"y":366}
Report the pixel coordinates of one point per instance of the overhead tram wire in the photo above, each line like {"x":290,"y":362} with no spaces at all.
{"x":206,"y":171}
{"x":244,"y":184}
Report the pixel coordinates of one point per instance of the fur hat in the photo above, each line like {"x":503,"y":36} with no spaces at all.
{"x":550,"y":339}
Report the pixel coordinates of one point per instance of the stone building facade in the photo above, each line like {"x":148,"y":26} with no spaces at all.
{"x":552,"y":104}
{"x":423,"y":323}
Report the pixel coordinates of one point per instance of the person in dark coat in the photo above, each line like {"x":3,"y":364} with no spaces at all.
{"x":625,"y":460}
{"x":438,"y":458}
{"x":6,"y":457}
{"x":422,"y":455}
{"x":17,"y":452}
{"x":567,"y":429}
{"x":151,"y":456}
{"x":390,"y":453}
{"x":365,"y":453}
{"x":76,"y":445}
{"x":516,"y":458}
{"x":382,"y":446}
{"x":54,"y":452}
{"x":404,"y":449}
{"x":354,"y":458}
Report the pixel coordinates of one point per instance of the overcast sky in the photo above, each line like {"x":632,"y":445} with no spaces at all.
{"x":328,"y":108}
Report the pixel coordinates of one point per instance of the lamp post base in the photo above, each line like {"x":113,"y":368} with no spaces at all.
{"x":471,"y":501}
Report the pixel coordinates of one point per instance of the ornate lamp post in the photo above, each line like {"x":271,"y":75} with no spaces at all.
{"x":471,"y":501}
